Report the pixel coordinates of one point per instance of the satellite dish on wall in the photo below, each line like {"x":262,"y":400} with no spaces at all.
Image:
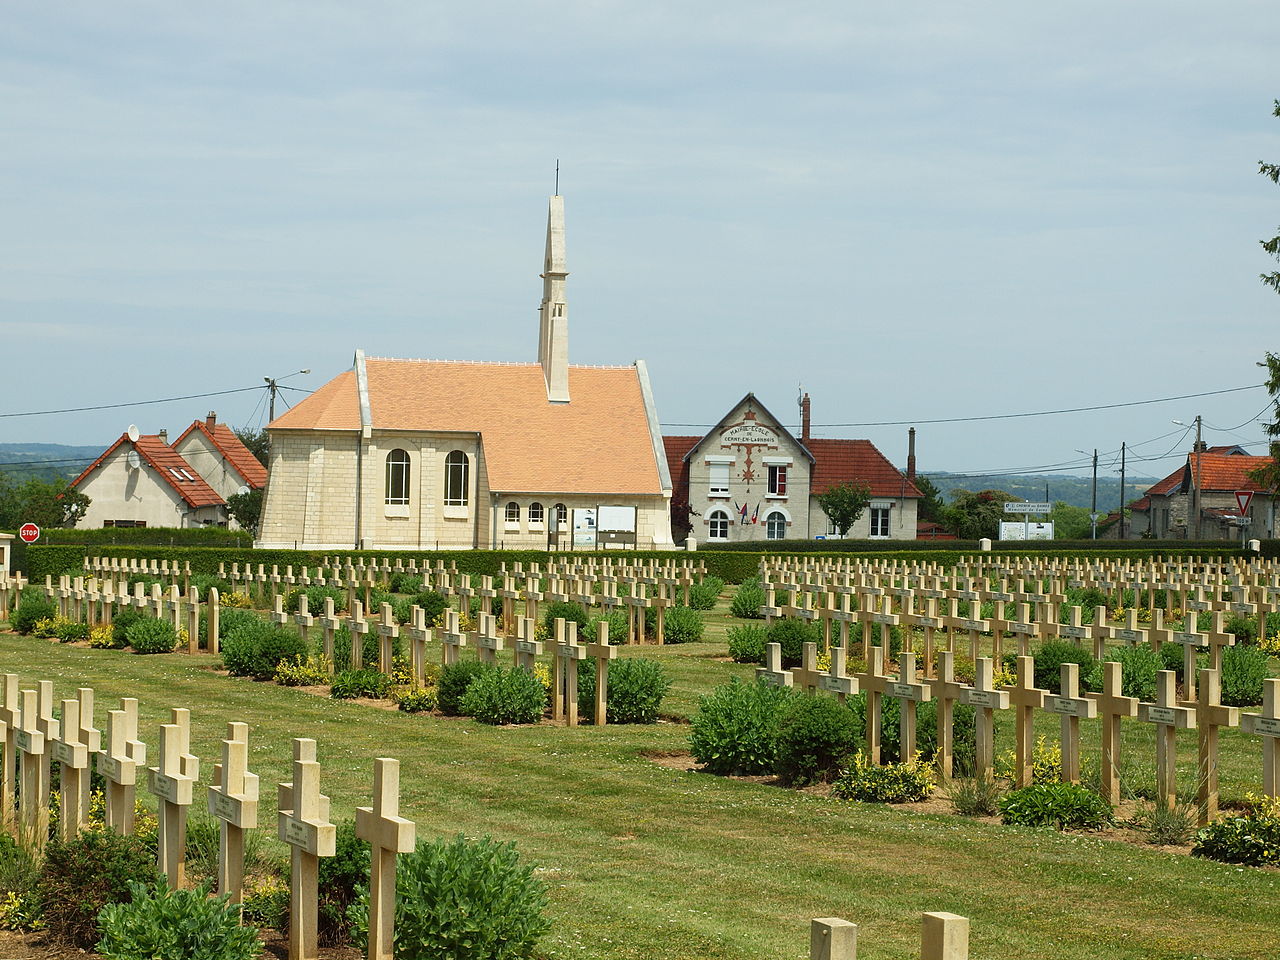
{"x":133,"y":432}
{"x":243,"y":490}
{"x":132,"y":460}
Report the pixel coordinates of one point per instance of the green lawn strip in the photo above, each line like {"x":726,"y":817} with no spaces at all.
{"x":645,"y":861}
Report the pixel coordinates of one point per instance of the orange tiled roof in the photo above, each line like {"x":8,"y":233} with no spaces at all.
{"x":164,"y":460}
{"x":598,"y":442}
{"x":226,"y":442}
{"x":676,"y":449}
{"x":856,"y":461}
{"x":1216,"y":471}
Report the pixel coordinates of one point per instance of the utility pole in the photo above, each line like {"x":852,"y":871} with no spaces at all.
{"x":1093,"y":507}
{"x":1196,"y":467}
{"x":1122,"y":451}
{"x":273,"y":389}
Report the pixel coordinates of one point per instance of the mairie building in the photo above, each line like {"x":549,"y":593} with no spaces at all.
{"x":437,"y":454}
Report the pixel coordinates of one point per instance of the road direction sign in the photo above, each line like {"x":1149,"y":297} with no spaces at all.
{"x":29,"y":533}
{"x":1011,"y":507}
{"x":1243,"y":497}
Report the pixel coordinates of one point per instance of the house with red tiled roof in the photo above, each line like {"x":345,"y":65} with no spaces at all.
{"x":424,"y":454}
{"x":141,"y":481}
{"x":750,"y":478}
{"x":222,"y":460}
{"x":1203,"y":493}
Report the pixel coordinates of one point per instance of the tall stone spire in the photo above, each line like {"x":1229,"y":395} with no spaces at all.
{"x":553,"y":315}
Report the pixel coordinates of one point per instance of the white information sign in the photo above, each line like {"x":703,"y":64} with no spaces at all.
{"x":1012,"y":530}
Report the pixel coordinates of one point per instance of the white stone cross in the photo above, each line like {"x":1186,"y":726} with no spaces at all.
{"x":527,"y":648}
{"x":1267,"y":726}
{"x":1071,"y":708}
{"x":453,"y":639}
{"x":388,"y":632}
{"x":1169,"y":719}
{"x":304,"y":825}
{"x":874,"y":683}
{"x":173,"y":782}
{"x":908,"y":692}
{"x":985,"y":699}
{"x":772,"y":671}
{"x":388,"y":834}
{"x":1026,"y":699}
{"x":329,"y":624}
{"x":805,"y":677}
{"x":119,"y":763}
{"x":51,"y":730}
{"x":1112,"y":706}
{"x":1211,"y":715}
{"x":10,"y":724}
{"x":837,"y":680}
{"x":33,"y":792}
{"x":419,"y":637}
{"x":304,"y":619}
{"x":72,"y":753}
{"x":603,"y":652}
{"x":357,"y":626}
{"x":233,"y":800}
{"x":488,"y":642}
{"x":564,"y":678}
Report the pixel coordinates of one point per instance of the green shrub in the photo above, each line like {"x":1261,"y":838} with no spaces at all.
{"x":79,"y":877}
{"x":505,"y":695}
{"x":406,"y":583}
{"x":1138,"y":669}
{"x":349,"y":684}
{"x":704,"y":594}
{"x":746,"y":643}
{"x":151,"y":635}
{"x":1067,"y":806}
{"x":315,"y":599}
{"x":299,"y":671}
{"x":963,"y":730}
{"x":204,"y":582}
{"x":1050,"y":658}
{"x":736,"y":727}
{"x":636,"y":688}
{"x":416,"y":699}
{"x":867,"y":782}
{"x":617,"y":621}
{"x":19,"y":886}
{"x":1173,"y":657}
{"x":815,"y":739}
{"x":454,"y":681}
{"x":71,"y":630}
{"x":747,"y":600}
{"x":341,"y":878}
{"x":682,"y":625}
{"x":369,"y":647}
{"x":231,"y":620}
{"x":433,"y":604}
{"x":31,"y":610}
{"x":565,"y":611}
{"x":256,"y":650}
{"x":175,"y":925}
{"x":792,"y":635}
{"x":465,"y":900}
{"x":1246,"y":631}
{"x":976,"y":796}
{"x":1252,"y":840}
{"x":1244,"y":672}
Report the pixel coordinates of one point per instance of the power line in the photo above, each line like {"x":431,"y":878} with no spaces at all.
{"x":138,"y":403}
{"x":1017,"y":416}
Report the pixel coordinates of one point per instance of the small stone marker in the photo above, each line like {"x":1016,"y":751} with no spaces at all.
{"x":193,"y":621}
{"x":304,"y":825}
{"x":119,"y":763}
{"x":944,"y":936}
{"x":173,"y":781}
{"x":985,"y":699}
{"x":527,"y":648}
{"x":388,"y":834}
{"x":1169,"y":718}
{"x":831,"y":938}
{"x":1025,"y":699}
{"x":1211,"y":715}
{"x":1071,"y":707}
{"x":388,"y":633}
{"x":1111,"y":707}
{"x":772,"y":671}
{"x":212,"y":618}
{"x":72,"y":754}
{"x":1267,"y":726}
{"x":233,"y":800}
{"x":602,"y":651}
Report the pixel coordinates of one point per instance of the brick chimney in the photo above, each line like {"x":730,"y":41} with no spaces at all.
{"x":211,"y":420}
{"x":804,"y":419}
{"x":164,"y":436}
{"x":911,"y":454}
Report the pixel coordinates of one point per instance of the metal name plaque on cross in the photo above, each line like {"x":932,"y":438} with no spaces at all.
{"x":832,"y":684}
{"x":904,"y":691}
{"x":225,"y":807}
{"x":984,"y":698}
{"x":63,"y":753}
{"x":527,"y":646}
{"x":1264,"y":726}
{"x":1129,"y":636}
{"x":1161,"y":714}
{"x":1066,"y":707}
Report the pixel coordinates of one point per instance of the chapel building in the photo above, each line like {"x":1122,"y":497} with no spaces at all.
{"x":435,"y":454}
{"x":750,"y":478}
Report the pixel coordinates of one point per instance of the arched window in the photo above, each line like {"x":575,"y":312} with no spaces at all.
{"x":513,"y":512}
{"x":398,"y":477}
{"x":562,"y":515}
{"x":717,"y":525}
{"x":775,"y":526}
{"x":535,"y":512}
{"x":456,"y":473}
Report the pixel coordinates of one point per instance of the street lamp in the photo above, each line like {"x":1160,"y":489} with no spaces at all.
{"x":272,"y":388}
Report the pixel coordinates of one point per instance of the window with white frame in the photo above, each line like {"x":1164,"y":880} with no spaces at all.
{"x":879,"y":521}
{"x":777,"y":480}
{"x":513,"y":512}
{"x":775,"y":526}
{"x":398,"y":477}
{"x":562,"y":515}
{"x":457,"y":472}
{"x":832,"y":529}
{"x":536,"y":513}
{"x":717,"y":525}
{"x":718,"y":482}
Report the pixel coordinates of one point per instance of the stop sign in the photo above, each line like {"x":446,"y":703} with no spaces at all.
{"x":29,"y":533}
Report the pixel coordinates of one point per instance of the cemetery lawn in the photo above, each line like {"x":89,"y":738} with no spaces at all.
{"x":652,"y":863}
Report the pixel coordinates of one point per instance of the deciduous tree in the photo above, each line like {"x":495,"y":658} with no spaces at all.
{"x":843,"y":504}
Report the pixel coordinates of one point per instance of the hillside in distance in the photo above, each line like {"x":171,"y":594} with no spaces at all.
{"x":20,"y":462}
{"x":1073,"y":490}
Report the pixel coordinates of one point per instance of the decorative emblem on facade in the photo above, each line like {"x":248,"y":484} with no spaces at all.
{"x":748,"y":435}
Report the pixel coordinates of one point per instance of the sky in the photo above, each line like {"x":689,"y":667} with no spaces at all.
{"x":913,"y":212}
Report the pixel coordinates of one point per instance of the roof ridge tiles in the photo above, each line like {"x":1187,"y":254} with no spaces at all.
{"x":502,"y":363}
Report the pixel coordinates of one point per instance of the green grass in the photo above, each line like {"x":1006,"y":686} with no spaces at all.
{"x":647,"y":862}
